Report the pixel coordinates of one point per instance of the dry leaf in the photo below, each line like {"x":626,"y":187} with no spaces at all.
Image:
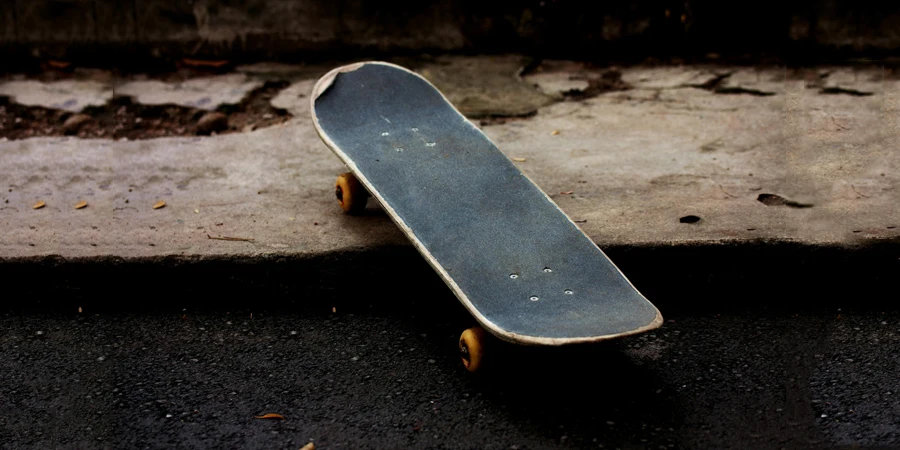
{"x":554,"y":132}
{"x":269,"y":416}
{"x":309,"y":446}
{"x":567,"y":192}
{"x":159,"y":204}
{"x":39,"y":205}
{"x":204,"y":62}
{"x":519,"y":159}
{"x":58,"y":64}
{"x":81,"y":204}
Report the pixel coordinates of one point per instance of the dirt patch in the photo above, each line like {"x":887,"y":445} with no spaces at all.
{"x":123,"y":118}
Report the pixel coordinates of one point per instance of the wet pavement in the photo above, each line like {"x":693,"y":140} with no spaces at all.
{"x":185,"y":365}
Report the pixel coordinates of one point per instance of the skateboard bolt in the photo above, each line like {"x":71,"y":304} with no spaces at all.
{"x":514,"y":276}
{"x":547,"y":269}
{"x":534,"y":298}
{"x":385,"y":133}
{"x":339,"y":193}
{"x":568,"y":291}
{"x":415,"y":129}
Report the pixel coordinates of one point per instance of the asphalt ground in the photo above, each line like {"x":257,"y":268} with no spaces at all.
{"x":169,"y":358}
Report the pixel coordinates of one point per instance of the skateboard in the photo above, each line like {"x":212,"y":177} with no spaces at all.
{"x":521,"y":267}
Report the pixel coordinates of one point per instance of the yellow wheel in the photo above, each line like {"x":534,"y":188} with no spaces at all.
{"x":471,"y":347}
{"x":350,"y":193}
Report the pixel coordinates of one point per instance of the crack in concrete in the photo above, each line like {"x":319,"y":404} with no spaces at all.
{"x":777,"y":200}
{"x":837,"y":90}
{"x":742,"y":90}
{"x":715,"y":86}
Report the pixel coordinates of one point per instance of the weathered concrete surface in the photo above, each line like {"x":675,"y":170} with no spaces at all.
{"x":204,"y":93}
{"x":68,"y":95}
{"x":98,"y":87}
{"x":799,"y":166}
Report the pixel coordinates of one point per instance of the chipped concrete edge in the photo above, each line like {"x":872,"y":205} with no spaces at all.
{"x":292,"y":256}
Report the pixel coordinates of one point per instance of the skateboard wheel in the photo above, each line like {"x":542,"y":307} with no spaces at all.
{"x":350,"y":193}
{"x":471,"y":347}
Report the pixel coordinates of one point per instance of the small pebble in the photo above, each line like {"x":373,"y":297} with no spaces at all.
{"x":74,"y":123}
{"x":212,"y":122}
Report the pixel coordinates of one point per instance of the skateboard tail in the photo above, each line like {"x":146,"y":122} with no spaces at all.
{"x":321,"y":87}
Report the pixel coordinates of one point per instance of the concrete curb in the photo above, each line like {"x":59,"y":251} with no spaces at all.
{"x":675,"y":277}
{"x":672,"y":164}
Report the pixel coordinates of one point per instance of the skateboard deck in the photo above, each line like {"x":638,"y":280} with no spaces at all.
{"x":524,"y":269}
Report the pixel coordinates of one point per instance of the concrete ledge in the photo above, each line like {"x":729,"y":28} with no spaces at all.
{"x":683,"y":158}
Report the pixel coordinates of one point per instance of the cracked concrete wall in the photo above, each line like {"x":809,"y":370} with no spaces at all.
{"x":257,"y":28}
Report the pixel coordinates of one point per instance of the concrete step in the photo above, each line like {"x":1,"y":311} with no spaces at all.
{"x":640,"y":157}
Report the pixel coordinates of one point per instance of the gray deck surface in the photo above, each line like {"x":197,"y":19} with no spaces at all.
{"x":516,"y":257}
